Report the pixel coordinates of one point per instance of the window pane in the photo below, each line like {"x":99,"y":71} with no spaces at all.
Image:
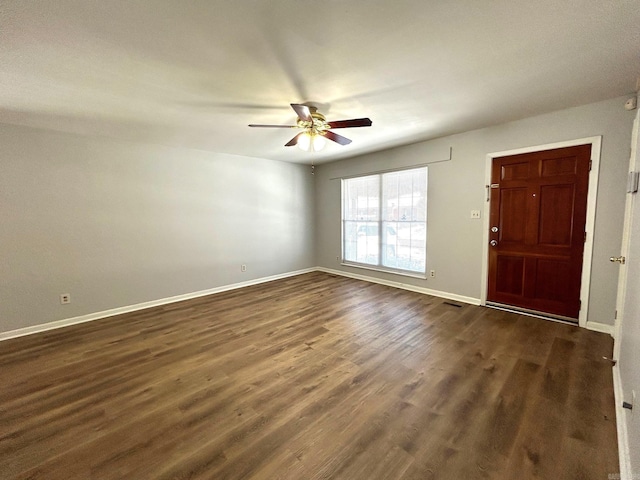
{"x":368,"y":243}
{"x":405,"y":195}
{"x":404,"y":204}
{"x":389,"y":243}
{"x":361,"y":198}
{"x":361,"y":242}
{"x":384,"y":220}
{"x":361,"y":207}
{"x":350,"y":241}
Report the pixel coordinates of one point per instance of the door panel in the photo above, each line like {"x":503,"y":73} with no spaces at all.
{"x":512,"y":226}
{"x":552,"y":279}
{"x":510,"y":275}
{"x":515,"y":171}
{"x":552,"y":167}
{"x":539,"y":208}
{"x":556,"y":224}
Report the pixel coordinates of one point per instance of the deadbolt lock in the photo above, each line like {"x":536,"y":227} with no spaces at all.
{"x":494,"y":229}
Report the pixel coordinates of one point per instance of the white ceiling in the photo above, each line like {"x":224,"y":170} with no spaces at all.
{"x":195,"y":73}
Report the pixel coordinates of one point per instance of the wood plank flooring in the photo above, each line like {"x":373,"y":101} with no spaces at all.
{"x":310,"y":377}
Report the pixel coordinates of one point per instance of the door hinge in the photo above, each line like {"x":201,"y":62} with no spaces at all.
{"x":615,"y":315}
{"x":590,"y":164}
{"x":585,"y":237}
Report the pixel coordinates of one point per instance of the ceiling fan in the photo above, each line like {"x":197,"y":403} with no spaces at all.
{"x":316,"y":128}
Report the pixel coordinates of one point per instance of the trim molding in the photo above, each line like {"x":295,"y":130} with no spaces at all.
{"x":601,"y":327}
{"x":65,"y":322}
{"x":621,"y":425}
{"x":592,"y":195}
{"x":403,"y":286}
{"x":43,"y":327}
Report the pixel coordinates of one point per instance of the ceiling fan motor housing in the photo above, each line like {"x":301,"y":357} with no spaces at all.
{"x":318,"y":125}
{"x":315,"y":124}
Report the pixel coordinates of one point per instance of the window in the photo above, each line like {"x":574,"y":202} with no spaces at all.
{"x":384,"y":221}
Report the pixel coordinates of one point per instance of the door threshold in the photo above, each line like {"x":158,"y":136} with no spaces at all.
{"x":533,"y":313}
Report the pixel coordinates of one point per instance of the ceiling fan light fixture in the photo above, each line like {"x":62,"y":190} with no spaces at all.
{"x":318,"y":142}
{"x":311,"y":142}
{"x":315,"y":128}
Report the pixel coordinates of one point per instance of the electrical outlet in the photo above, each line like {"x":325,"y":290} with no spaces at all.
{"x":243,"y":268}
{"x":475,"y":213}
{"x":432,"y":273}
{"x":65,"y":298}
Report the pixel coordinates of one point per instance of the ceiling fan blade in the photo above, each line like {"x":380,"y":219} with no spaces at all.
{"x":303,"y":112}
{"x":273,"y":126}
{"x":293,"y":141}
{"x":337,"y":138}
{"x":355,"y":122}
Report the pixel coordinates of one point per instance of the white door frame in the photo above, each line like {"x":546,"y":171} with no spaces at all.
{"x":626,"y":231}
{"x":596,"y":144}
{"x":630,"y":209}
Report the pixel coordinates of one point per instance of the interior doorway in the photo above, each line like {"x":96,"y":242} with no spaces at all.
{"x":538,"y":228}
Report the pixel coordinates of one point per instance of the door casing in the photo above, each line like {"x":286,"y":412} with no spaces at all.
{"x":630,"y":204}
{"x":596,"y":143}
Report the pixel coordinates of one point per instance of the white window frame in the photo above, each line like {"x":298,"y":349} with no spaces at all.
{"x":380,"y":221}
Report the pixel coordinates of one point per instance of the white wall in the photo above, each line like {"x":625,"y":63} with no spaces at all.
{"x":454,"y":241}
{"x":629,"y":339}
{"x":116,"y":224}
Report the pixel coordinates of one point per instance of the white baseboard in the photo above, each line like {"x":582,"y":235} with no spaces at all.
{"x":621,"y":425}
{"x":404,"y":286}
{"x":141,"y":306}
{"x":600,"y":327}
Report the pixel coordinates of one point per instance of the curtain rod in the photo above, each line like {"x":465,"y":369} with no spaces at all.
{"x":397,"y":169}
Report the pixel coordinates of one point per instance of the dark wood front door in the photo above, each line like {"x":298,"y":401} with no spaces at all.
{"x":537,"y":229}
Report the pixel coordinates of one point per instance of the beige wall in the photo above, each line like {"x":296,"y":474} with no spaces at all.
{"x":455,"y":241}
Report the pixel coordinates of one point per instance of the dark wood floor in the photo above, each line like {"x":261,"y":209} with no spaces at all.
{"x":311,"y":377}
